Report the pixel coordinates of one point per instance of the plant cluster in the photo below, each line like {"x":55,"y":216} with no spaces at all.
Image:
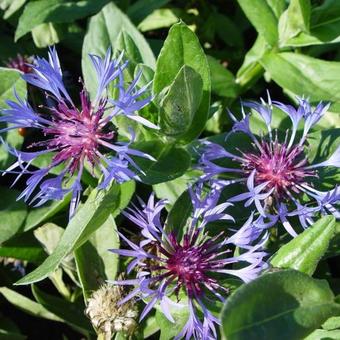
{"x":170,"y":170}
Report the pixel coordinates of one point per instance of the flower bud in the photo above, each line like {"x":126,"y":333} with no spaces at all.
{"x":107,"y":316}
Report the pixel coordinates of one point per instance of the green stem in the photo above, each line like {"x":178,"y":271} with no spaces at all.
{"x":249,"y":76}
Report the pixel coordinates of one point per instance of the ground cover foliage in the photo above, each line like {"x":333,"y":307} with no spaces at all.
{"x":169,"y":169}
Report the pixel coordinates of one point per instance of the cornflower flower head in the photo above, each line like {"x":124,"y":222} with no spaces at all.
{"x":274,"y":171}
{"x":75,"y":137}
{"x":21,"y":63}
{"x":188,"y":272}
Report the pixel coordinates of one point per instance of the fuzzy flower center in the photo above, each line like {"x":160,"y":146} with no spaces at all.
{"x":78,"y":135}
{"x":280,"y":166}
{"x":188,"y":265}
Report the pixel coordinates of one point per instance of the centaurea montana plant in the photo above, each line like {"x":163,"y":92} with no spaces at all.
{"x":274,"y":171}
{"x":76,"y":137}
{"x":187,"y":272}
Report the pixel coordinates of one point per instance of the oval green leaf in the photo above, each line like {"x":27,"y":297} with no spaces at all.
{"x":179,"y":106}
{"x":304,"y":75}
{"x":180,"y":48}
{"x":304,"y":252}
{"x":283,"y":305}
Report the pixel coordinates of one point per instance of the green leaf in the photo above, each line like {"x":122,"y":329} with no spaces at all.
{"x":251,"y":69}
{"x":54,"y":11}
{"x":23,"y":247}
{"x":179,"y":214}
{"x":27,"y":305}
{"x":142,"y":8}
{"x":147,"y":74}
{"x":321,"y":145}
{"x":67,"y":311}
{"x":278,"y":6}
{"x":305,"y":251}
{"x":282,"y":305}
{"x":161,"y":18}
{"x":222,"y":80}
{"x":45,"y":35}
{"x":169,"y":330}
{"x":171,"y":161}
{"x":12,"y":214}
{"x":294,"y":20}
{"x":10,"y":79}
{"x":332,"y":323}
{"x":8,"y":335}
{"x":127,"y":189}
{"x":103,"y":32}
{"x":262,"y":17}
{"x":303,"y":75}
{"x":39,"y":215}
{"x":150,"y":327}
{"x":14,"y":5}
{"x":95,"y":264}
{"x":89,"y":217}
{"x":322,"y":334}
{"x":49,"y":236}
{"x":171,"y":190}
{"x":325,"y":26}
{"x":180,"y":48}
{"x":180,"y":104}
{"x":331,"y":330}
{"x":219,"y":24}
{"x":126,"y":44}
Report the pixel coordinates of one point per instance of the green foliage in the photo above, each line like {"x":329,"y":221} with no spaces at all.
{"x":171,"y":161}
{"x":67,"y":311}
{"x":27,"y":305}
{"x":183,"y":48}
{"x":10,"y":79}
{"x":169,"y":329}
{"x":294,"y":20}
{"x":198,"y":59}
{"x":179,"y":105}
{"x":288,"y":303}
{"x":54,"y":11}
{"x":324,"y":26}
{"x":89,"y":218}
{"x":302,"y":74}
{"x":94,"y":263}
{"x":103,"y":32}
{"x":12,"y":214}
{"x":305,"y":251}
{"x":262,"y":16}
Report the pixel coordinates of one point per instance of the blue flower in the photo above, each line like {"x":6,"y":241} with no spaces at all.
{"x":75,"y":137}
{"x":185,"y":273}
{"x":274,"y":173}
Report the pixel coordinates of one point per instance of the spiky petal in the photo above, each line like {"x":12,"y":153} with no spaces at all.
{"x":75,"y":137}
{"x":170,"y":264}
{"x":274,"y":169}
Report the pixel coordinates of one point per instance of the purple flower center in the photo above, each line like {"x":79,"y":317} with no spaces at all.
{"x":20,"y":63}
{"x":77,"y":135}
{"x":188,"y":264}
{"x":281,"y":167}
